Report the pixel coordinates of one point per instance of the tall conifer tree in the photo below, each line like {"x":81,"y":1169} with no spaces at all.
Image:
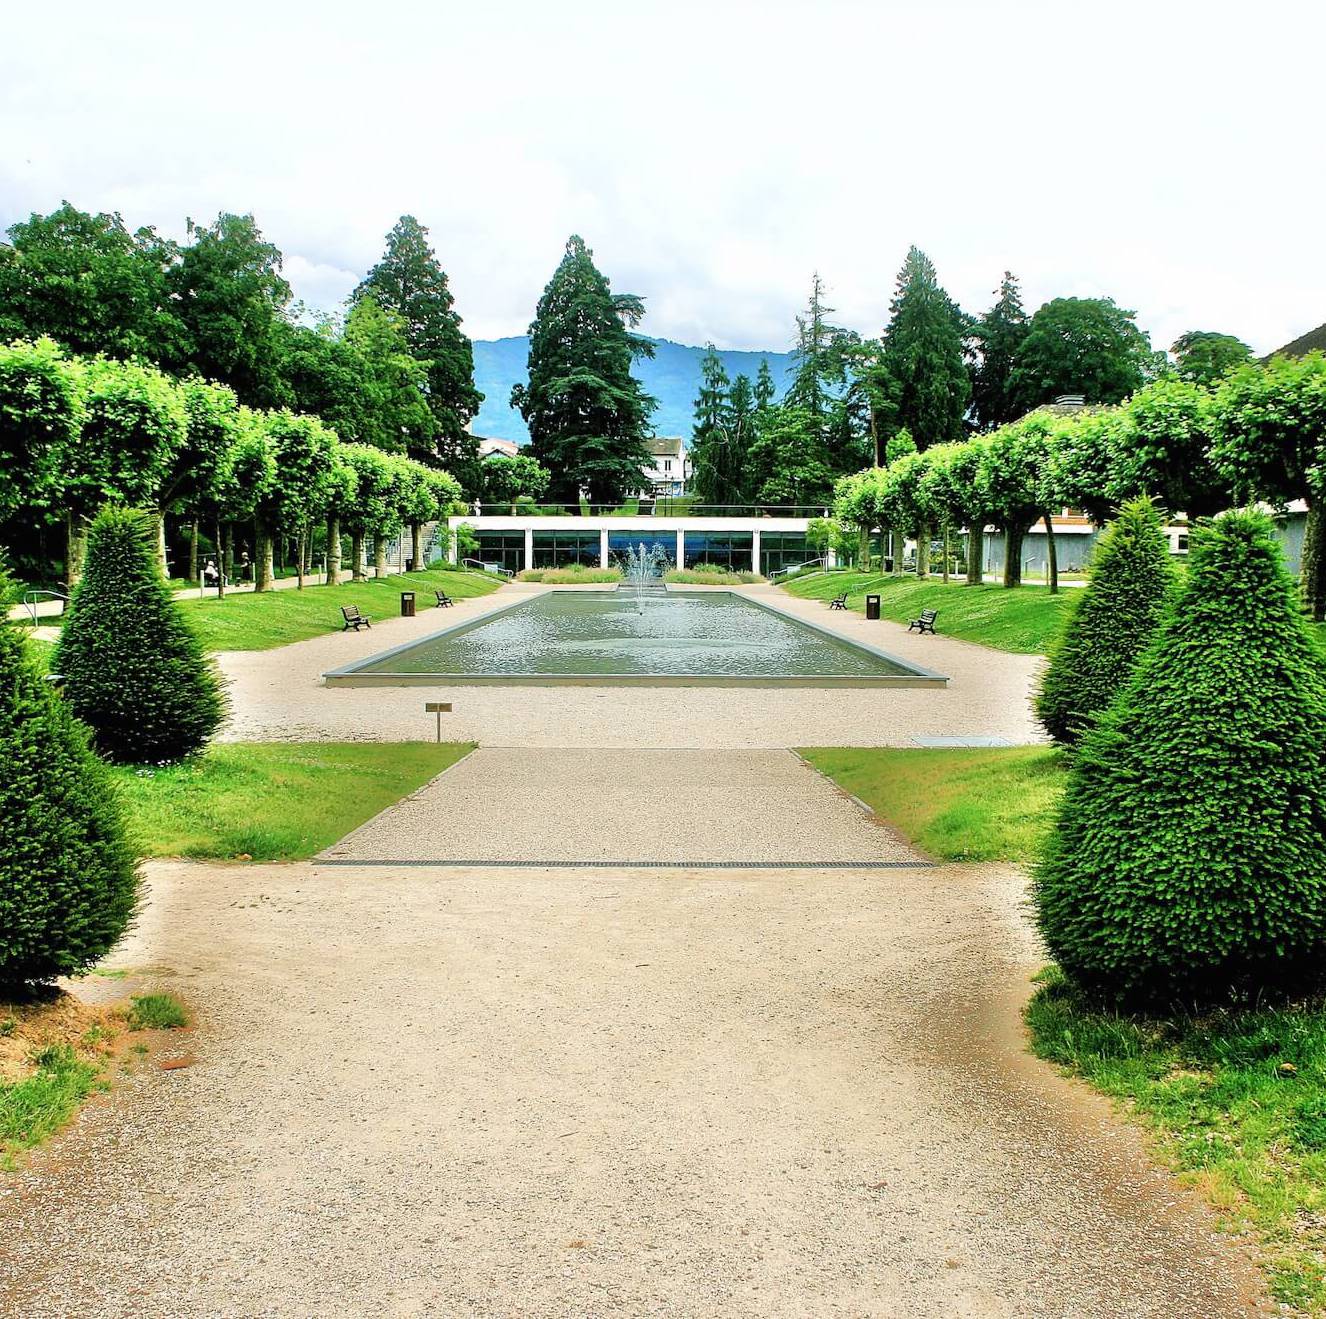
{"x":588,"y":416}
{"x":716,"y":458}
{"x":996,"y":337}
{"x":923,"y":355}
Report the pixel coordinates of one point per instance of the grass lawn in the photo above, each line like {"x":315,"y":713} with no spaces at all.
{"x":1026,"y":619}
{"x":275,"y":618}
{"x":954,"y":803}
{"x":1238,"y":1105}
{"x":274,"y":801}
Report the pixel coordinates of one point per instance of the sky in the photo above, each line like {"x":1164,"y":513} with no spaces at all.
{"x":713,"y":155}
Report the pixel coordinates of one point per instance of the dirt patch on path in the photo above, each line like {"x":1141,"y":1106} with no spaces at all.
{"x":438,"y":1091}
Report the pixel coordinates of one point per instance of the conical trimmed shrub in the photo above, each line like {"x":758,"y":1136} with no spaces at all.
{"x":1188,"y":863}
{"x":134,"y":671}
{"x":68,"y":876}
{"x":1110,"y":625}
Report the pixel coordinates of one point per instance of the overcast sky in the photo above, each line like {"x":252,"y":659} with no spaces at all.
{"x":712,"y":154}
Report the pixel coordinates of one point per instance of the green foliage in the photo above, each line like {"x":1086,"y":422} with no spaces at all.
{"x":1114,"y":619}
{"x":507,"y":479}
{"x":1204,"y":356}
{"x":717,"y":449}
{"x":923,"y":355}
{"x":91,"y":285}
{"x":392,"y":386}
{"x":821,"y":535}
{"x":37,"y":1106}
{"x":195,"y":478}
{"x":274,"y":801}
{"x":302,"y":449}
{"x":588,"y":416}
{"x":134,"y":671}
{"x":134,"y":426}
{"x":1188,"y":860}
{"x":1084,"y":346}
{"x":788,"y":458}
{"x":68,"y":877}
{"x":997,"y":338}
{"x":40,"y":417}
{"x":410,"y":282}
{"x":954,"y":804}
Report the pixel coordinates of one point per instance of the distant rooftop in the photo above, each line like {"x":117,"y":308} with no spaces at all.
{"x":665,"y":446}
{"x":1304,"y":344}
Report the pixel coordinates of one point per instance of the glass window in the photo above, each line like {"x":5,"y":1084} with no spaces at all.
{"x":720,"y":549}
{"x":621,"y":543}
{"x":559,"y":549}
{"x":506,"y":548}
{"x":782,"y":549}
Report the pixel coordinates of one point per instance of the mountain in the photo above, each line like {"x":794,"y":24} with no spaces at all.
{"x":672,"y":376}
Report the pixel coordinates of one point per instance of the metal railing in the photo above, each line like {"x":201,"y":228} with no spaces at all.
{"x":479,"y":565}
{"x":32,"y":598}
{"x":663,"y":507}
{"x":797,"y":567}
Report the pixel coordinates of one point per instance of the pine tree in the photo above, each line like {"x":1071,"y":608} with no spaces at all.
{"x":410,"y":282}
{"x":68,"y":876}
{"x":923,"y":355}
{"x":134,"y":671}
{"x":997,"y":336}
{"x":764,"y":390}
{"x":1187,"y":862}
{"x":588,"y":416}
{"x":716,"y":459}
{"x":1113,"y":619}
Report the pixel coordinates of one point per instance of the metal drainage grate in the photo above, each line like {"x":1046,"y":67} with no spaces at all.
{"x":454,"y":863}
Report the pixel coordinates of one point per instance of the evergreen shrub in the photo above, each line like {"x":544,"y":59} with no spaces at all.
{"x":68,"y":875}
{"x":1187,"y":864}
{"x":1114,"y":618}
{"x":134,"y":671}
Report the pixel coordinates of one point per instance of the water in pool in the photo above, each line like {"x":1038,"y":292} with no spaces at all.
{"x":564,"y":633}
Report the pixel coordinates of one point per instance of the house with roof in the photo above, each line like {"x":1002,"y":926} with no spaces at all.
{"x":671,"y":467}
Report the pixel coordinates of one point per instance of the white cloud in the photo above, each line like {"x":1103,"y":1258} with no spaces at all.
{"x":713,"y":154}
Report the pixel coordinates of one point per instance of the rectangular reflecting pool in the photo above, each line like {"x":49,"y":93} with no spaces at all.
{"x":718,"y":638}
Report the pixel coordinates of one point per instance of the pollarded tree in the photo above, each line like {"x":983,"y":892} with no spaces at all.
{"x":906,"y":506}
{"x":133,"y":426}
{"x":1271,"y":444}
{"x":426,"y":496}
{"x":1187,"y":861}
{"x":339,"y":498}
{"x":302,"y":448}
{"x":68,"y":875}
{"x":1160,"y":444}
{"x":954,"y":489}
{"x":192,"y":482}
{"x":1011,"y":480}
{"x":246,"y":478}
{"x":40,"y":416}
{"x":134,"y":671}
{"x":373,"y":511}
{"x":923,"y":355}
{"x":856,"y":503}
{"x":1082,"y":462}
{"x":588,"y":416}
{"x":1113,"y":619}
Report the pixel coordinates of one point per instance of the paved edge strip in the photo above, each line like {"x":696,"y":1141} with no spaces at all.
{"x":450,"y":863}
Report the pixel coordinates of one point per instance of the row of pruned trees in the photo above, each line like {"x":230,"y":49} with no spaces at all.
{"x":1258,"y":434}
{"x":76,"y":434}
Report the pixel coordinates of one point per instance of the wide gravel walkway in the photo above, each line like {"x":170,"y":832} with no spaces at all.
{"x":278,"y":695}
{"x":496,"y":1092}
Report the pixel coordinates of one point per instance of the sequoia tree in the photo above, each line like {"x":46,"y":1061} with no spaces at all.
{"x":588,"y":416}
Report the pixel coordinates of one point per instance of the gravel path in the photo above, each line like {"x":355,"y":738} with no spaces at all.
{"x":446,"y":1091}
{"x":279,"y":696}
{"x":570,"y":805}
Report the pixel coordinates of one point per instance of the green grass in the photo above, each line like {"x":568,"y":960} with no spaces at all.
{"x":707,"y":575}
{"x":1237,"y":1102}
{"x":954,"y":804}
{"x":156,"y":1012}
{"x":39,"y":1105}
{"x":1026,"y":619}
{"x":252,"y":621}
{"x":274,"y":801}
{"x":574,"y":574}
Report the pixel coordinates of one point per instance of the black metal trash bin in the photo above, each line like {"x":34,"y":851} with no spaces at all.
{"x":409,"y":565}
{"x":407,"y":604}
{"x":872,"y":606}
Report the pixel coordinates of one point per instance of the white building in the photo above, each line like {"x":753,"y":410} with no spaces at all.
{"x":671,"y":468}
{"x":504,"y":448}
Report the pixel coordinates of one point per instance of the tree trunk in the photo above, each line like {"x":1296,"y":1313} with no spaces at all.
{"x":1013,"y":555}
{"x":301,"y":559}
{"x":333,"y":551}
{"x":193,"y":551}
{"x":379,"y":556}
{"x":357,"y":555}
{"x":417,"y":544}
{"x":1051,"y":555}
{"x":263,"y":571}
{"x":863,"y":548}
{"x":922,"y":551}
{"x":946,"y":553}
{"x":75,"y":549}
{"x":160,"y":518}
{"x":1312,"y":578}
{"x":976,"y":554}
{"x":225,"y":532}
{"x":221,"y":565}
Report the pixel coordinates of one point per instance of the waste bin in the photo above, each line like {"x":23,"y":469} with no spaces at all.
{"x":409,"y":565}
{"x":872,"y":606}
{"x":407,"y":604}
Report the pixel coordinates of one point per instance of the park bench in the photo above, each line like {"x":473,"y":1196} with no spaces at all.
{"x":926,"y":623}
{"x":354,"y":619}
{"x":839,"y":601}
{"x":444,"y":601}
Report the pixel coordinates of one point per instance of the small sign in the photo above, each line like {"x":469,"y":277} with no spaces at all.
{"x":437,"y":707}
